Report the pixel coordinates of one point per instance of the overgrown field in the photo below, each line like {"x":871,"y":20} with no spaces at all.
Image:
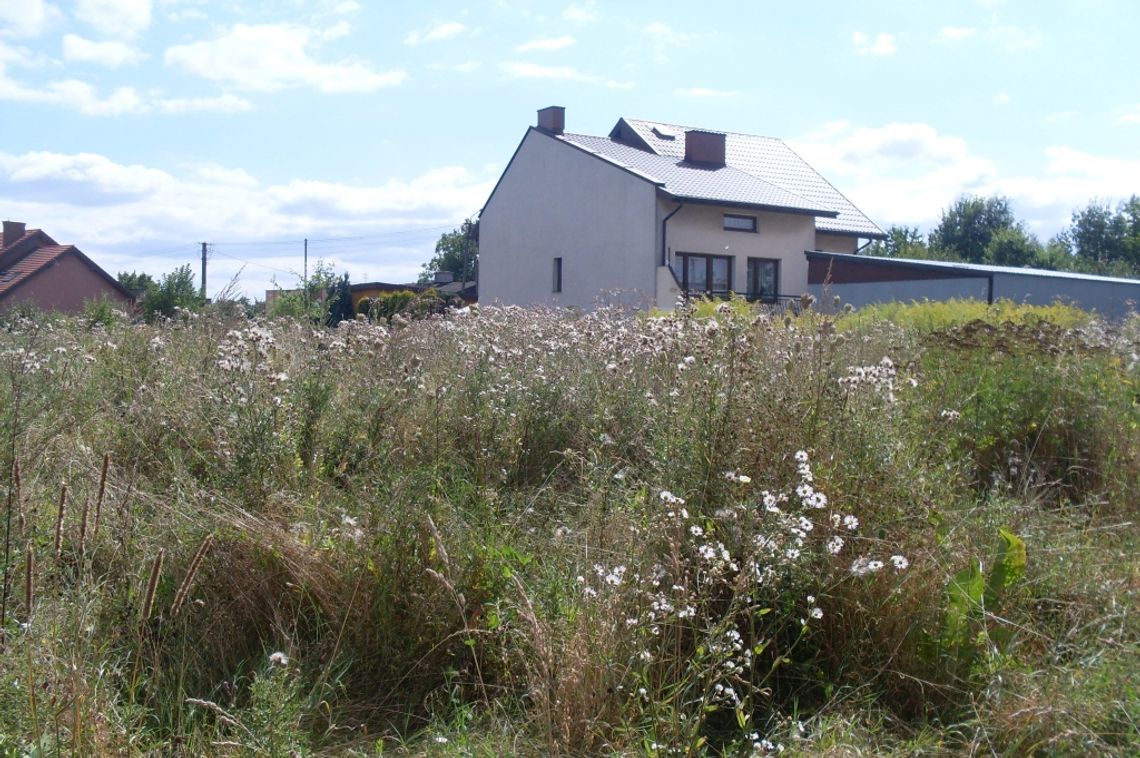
{"x":910,"y":531}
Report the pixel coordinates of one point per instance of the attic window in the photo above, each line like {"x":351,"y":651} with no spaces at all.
{"x":662,"y":134}
{"x":735,"y":223}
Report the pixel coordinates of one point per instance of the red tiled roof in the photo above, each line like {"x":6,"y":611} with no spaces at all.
{"x":18,"y":272}
{"x":6,"y":243}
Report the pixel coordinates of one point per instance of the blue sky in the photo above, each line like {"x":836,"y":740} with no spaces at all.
{"x":136,"y":129}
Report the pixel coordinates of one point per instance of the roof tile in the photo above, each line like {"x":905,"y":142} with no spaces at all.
{"x":726,"y":184}
{"x":772,"y":161}
{"x":15,"y":275}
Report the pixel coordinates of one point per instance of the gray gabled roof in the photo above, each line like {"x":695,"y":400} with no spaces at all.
{"x":727,"y":184}
{"x":769,"y":160}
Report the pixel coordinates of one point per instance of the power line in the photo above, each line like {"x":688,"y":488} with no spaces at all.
{"x":376,"y":236}
{"x":214,"y":248}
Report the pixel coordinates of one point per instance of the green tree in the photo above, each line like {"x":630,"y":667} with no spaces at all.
{"x":339,"y":303}
{"x":1101,"y":235}
{"x":310,"y":300}
{"x":968,"y":226}
{"x":901,"y":242}
{"x":1013,"y":247}
{"x":458,"y":252}
{"x":134,"y":280}
{"x":175,"y":290}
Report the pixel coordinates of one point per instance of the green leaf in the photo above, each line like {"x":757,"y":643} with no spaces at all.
{"x":964,"y":594}
{"x":1009,"y":566}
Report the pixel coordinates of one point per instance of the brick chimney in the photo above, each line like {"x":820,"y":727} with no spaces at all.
{"x":13,"y":230}
{"x":552,"y":120}
{"x":705,"y":148}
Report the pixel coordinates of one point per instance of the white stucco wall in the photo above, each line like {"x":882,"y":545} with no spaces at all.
{"x":835,"y":243}
{"x":556,"y":200}
{"x":783,"y":236}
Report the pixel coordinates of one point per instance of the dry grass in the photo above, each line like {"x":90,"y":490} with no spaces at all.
{"x":538,"y":532}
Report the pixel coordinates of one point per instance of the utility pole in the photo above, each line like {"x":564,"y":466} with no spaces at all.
{"x":305,"y":276}
{"x":203,"y":293}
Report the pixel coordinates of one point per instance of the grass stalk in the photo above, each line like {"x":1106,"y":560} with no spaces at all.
{"x":60,"y":511}
{"x":188,"y":581}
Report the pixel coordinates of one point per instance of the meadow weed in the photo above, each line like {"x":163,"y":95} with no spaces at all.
{"x":720,"y":530}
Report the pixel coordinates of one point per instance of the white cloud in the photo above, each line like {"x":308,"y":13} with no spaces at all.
{"x":109,"y":54}
{"x":547,"y":44}
{"x":74,"y":94}
{"x":447,"y":187}
{"x":101,"y":179}
{"x":187,"y":14}
{"x":1001,"y":99}
{"x":118,"y":213}
{"x":435,"y":34}
{"x":663,"y":39}
{"x":1130,"y":115}
{"x":226,"y":103}
{"x":26,"y":18}
{"x":340,"y":29}
{"x":1071,"y":179}
{"x":1011,"y":38}
{"x":519,"y":70}
{"x":81,"y":96}
{"x":881,"y":45}
{"x":955,"y":33}
{"x":706,"y":92}
{"x":1015,"y":38}
{"x":900,"y":173}
{"x":272,"y":57}
{"x":908,"y":173}
{"x":582,"y":13}
{"x":466,"y":67}
{"x":115,"y":18}
{"x":23,"y":57}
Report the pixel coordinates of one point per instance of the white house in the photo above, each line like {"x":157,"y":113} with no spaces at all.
{"x":654,"y":210}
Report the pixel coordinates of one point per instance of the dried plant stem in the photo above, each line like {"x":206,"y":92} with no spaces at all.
{"x":29,"y":580}
{"x":22,"y":519}
{"x":152,"y":585}
{"x":83,"y":526}
{"x":102,"y":491}
{"x":59,"y":520}
{"x":191,"y":573}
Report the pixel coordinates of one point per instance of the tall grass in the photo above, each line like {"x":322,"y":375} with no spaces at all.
{"x":512,"y":531}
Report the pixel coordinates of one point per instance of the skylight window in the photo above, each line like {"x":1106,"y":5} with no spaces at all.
{"x":662,"y":134}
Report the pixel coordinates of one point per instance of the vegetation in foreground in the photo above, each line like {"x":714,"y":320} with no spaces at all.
{"x":530,"y":532}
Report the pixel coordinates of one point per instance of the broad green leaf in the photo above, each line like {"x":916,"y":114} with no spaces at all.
{"x":1009,"y":566}
{"x":964,"y":595}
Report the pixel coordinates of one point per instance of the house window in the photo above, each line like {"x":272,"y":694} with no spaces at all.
{"x":557,"y":274}
{"x":763,"y":279}
{"x":735,"y":223}
{"x":708,"y":274}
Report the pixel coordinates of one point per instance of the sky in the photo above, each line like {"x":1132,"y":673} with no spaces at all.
{"x":138,"y":129}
